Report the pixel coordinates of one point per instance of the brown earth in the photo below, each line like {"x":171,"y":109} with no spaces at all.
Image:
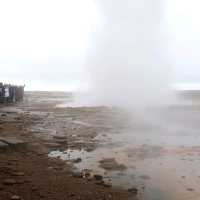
{"x":27,"y":173}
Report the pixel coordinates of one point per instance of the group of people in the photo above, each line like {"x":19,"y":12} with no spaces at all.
{"x":11,"y":93}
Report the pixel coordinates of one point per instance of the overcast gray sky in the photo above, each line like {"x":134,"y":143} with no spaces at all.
{"x":44,"y":43}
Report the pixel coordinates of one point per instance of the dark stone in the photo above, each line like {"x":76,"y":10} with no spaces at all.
{"x":133,"y":190}
{"x":77,"y":174}
{"x":77,"y":160}
{"x":72,"y":195}
{"x":9,"y":181}
{"x":145,"y":177}
{"x":1,"y":187}
{"x":60,"y":141}
{"x":98,"y":177}
{"x":17,"y":174}
{"x":15,"y":197}
{"x":11,"y":141}
{"x":53,"y":145}
{"x":190,"y":189}
{"x":59,"y":137}
{"x":3,"y":145}
{"x":34,"y":188}
{"x":107,"y":185}
{"x":111,"y":164}
{"x":99,"y":182}
{"x":20,"y":182}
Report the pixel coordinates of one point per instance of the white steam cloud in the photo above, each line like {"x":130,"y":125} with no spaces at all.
{"x":128,"y":59}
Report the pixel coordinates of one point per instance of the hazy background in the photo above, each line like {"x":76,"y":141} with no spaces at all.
{"x":75,"y":44}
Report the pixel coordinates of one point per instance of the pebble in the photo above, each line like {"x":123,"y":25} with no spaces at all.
{"x":133,"y":190}
{"x":3,"y":145}
{"x":15,"y":197}
{"x":107,"y":185}
{"x":53,"y":145}
{"x":20,"y":182}
{"x":72,"y":194}
{"x":18,"y":173}
{"x":98,"y":177}
{"x":41,"y":195}
{"x":145,"y":177}
{"x":34,"y":188}
{"x":89,"y":178}
{"x":9,"y":181}
{"x":99,"y":182}
{"x":77,"y":175}
{"x":190,"y":189}
{"x":59,"y":137}
{"x":11,"y":141}
{"x":1,"y":187}
{"x":77,"y":160}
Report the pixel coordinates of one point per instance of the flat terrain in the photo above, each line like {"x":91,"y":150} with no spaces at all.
{"x":53,"y":147}
{"x":28,"y":133}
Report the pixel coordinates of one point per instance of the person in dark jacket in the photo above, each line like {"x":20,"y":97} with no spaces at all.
{"x":1,"y":93}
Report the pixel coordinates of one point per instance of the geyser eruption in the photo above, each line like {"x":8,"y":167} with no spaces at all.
{"x":127,"y":58}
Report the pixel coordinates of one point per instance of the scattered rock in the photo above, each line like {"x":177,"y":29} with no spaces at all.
{"x":71,"y":195}
{"x":77,"y":174}
{"x":58,"y":168}
{"x":3,"y":115}
{"x":99,"y":182}
{"x":89,"y":178}
{"x":111,"y":164}
{"x":3,"y":145}
{"x":9,"y":181}
{"x":59,"y":137}
{"x":98,"y":177}
{"x":88,"y":149}
{"x":41,"y":195}
{"x":77,"y":160}
{"x":145,"y":177}
{"x":20,"y":182}
{"x":11,"y":141}
{"x":17,"y":174}
{"x":15,"y":197}
{"x":60,"y":141}
{"x":13,"y":160}
{"x":190,"y":189}
{"x":133,"y":190}
{"x":87,"y":173}
{"x":107,"y":185}
{"x":53,"y":145}
{"x":34,"y":188}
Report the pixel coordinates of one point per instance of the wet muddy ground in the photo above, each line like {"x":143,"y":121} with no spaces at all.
{"x":28,"y":133}
{"x":151,"y":154}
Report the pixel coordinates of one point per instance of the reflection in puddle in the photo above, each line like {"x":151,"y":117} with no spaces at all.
{"x":158,"y":177}
{"x":160,"y":153}
{"x":167,"y":176}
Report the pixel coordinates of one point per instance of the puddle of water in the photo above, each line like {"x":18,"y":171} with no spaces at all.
{"x":166,"y":177}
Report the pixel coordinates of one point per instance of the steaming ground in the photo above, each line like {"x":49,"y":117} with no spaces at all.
{"x":146,"y":154}
{"x":155,"y":150}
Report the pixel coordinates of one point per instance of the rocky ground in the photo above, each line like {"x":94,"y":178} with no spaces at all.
{"x":28,"y":132}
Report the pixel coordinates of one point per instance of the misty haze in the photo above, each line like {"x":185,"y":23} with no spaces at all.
{"x":99,"y":99}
